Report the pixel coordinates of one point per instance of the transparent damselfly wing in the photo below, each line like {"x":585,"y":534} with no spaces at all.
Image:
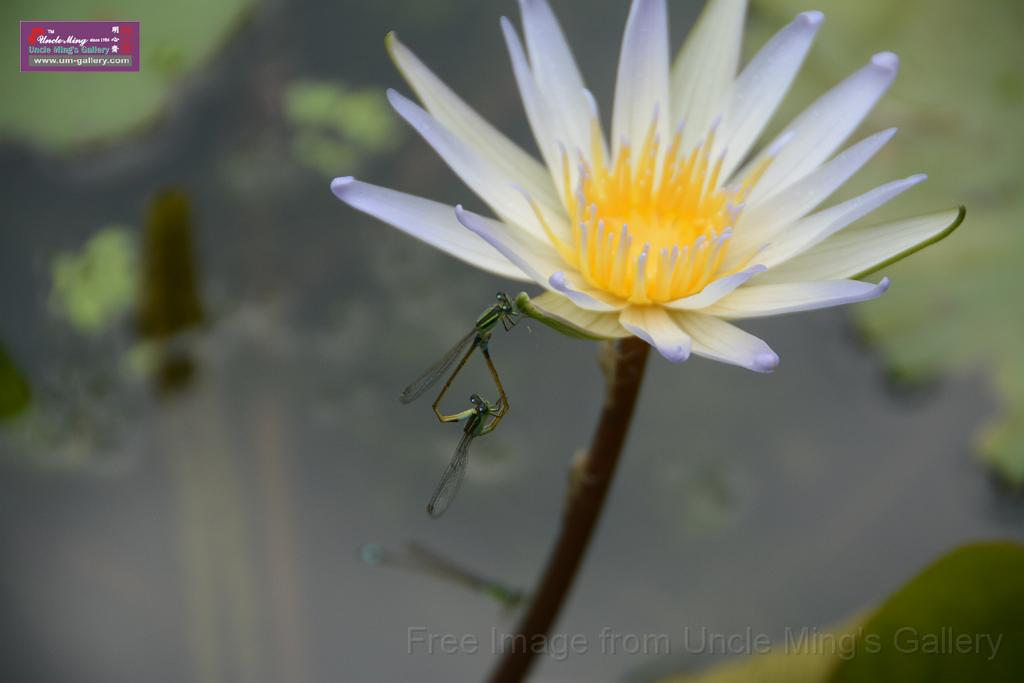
{"x":418,"y":558}
{"x":437,"y":370}
{"x":421,"y":560}
{"x":453,"y":474}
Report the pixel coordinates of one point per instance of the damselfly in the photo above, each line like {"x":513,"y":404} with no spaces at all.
{"x":477,"y":424}
{"x":504,"y":312}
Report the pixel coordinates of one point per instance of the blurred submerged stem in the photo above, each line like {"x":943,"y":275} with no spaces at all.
{"x":169,"y":301}
{"x":588,"y":486}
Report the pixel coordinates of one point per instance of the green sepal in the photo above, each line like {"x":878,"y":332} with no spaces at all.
{"x":916,"y":248}
{"x":526,"y":307}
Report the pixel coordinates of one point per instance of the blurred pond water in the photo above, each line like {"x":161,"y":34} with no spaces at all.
{"x":212,"y":533}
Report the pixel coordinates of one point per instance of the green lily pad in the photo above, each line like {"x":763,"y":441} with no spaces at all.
{"x":810,"y":663}
{"x":958,"y":103}
{"x":95,"y":287}
{"x":15,"y":395}
{"x":959,"y":620}
{"x":63,"y":111}
{"x":336,"y":127}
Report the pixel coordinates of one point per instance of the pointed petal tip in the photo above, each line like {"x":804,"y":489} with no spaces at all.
{"x":781,"y":142}
{"x":911,"y":181}
{"x":393,"y":46}
{"x":338,"y":185}
{"x":675,"y":354}
{"x":811,"y":19}
{"x":523,"y":191}
{"x":415,"y":115}
{"x":397,"y":100}
{"x":591,"y":102}
{"x":887,"y":61}
{"x":592,"y":300}
{"x":765,"y":362}
{"x":659,"y":332}
{"x":464,"y":217}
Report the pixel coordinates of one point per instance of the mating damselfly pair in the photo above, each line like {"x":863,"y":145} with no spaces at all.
{"x":483,"y":416}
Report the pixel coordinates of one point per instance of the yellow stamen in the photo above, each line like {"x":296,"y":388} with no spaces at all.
{"x":653,"y":227}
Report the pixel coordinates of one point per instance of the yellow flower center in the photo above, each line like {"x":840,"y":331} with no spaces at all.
{"x":651,"y":228}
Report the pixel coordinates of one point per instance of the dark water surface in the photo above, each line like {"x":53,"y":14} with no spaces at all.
{"x":213,"y":534}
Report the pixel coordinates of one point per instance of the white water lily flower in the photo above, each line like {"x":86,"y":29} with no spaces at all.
{"x":667,"y":230}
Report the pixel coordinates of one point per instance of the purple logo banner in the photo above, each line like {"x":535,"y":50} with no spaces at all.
{"x":79,"y":46}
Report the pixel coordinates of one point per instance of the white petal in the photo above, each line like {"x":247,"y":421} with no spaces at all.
{"x":496,"y":188}
{"x":595,"y":123}
{"x":724,"y":342}
{"x":759,"y":301}
{"x":455,"y":115}
{"x":547,"y":130}
{"x":657,"y":328}
{"x":605,"y":325}
{"x":760,"y":222}
{"x":571,"y":284}
{"x":535,"y":258}
{"x":825,"y":125}
{"x":429,"y":221}
{"x":641,"y":87}
{"x":704,"y":70}
{"x":809,"y":231}
{"x":715,"y":290}
{"x":558,"y":78}
{"x":762,"y":84}
{"x":857,"y":252}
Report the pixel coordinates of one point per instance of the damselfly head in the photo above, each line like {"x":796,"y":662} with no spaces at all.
{"x":504,"y":302}
{"x":479,"y":405}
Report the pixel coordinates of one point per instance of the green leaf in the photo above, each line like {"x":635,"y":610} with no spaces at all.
{"x":958,"y":103}
{"x":336,"y":128}
{"x":795,"y":665}
{"x":64,"y":111}
{"x":959,"y":620}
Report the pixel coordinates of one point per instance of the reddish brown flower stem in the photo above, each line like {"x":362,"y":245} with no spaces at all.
{"x":589,"y":482}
